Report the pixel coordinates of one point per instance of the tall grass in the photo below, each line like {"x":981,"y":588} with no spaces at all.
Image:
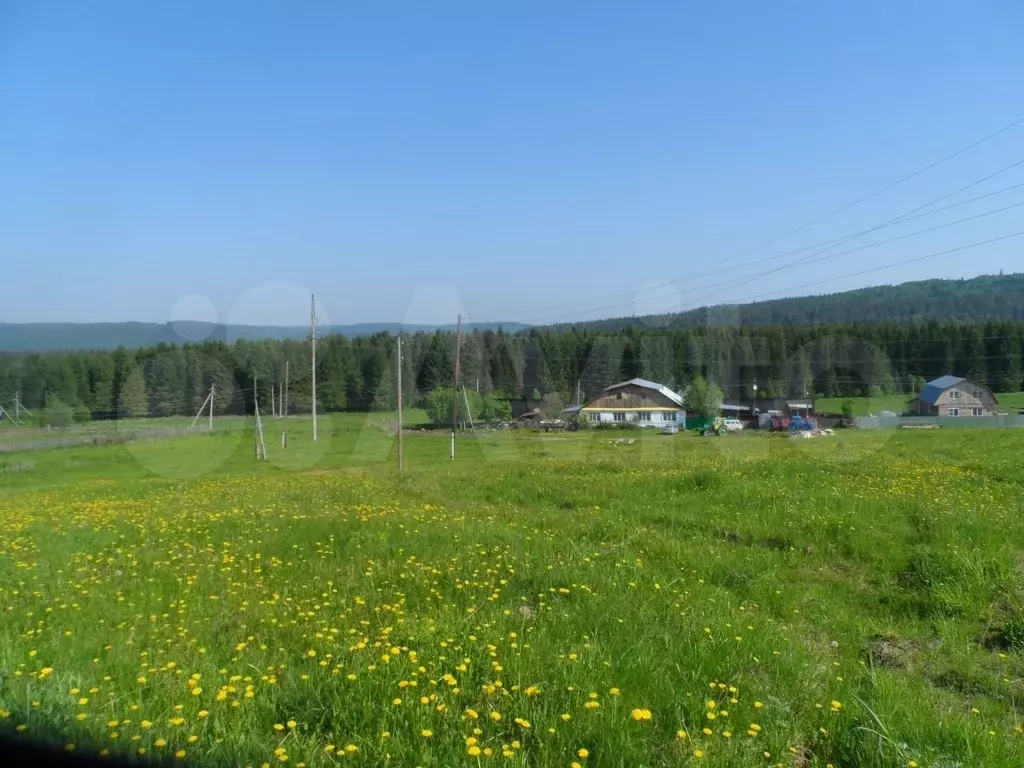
{"x":751,"y":600}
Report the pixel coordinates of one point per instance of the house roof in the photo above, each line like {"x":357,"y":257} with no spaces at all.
{"x":734,"y":408}
{"x":931,"y":391}
{"x":661,"y":389}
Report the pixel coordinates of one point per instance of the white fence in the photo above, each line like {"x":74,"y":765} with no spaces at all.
{"x":888,"y":422}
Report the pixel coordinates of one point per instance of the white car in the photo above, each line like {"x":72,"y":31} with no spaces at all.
{"x":733,"y":425}
{"x":669,"y":429}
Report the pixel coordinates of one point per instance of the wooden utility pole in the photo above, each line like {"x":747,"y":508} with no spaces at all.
{"x":312,"y":335}
{"x":401,"y":457}
{"x":19,"y":408}
{"x":455,"y":383}
{"x":203,"y":408}
{"x":261,"y":447}
{"x":577,"y":393}
{"x":469,"y":413}
{"x":211,"y":407}
{"x":284,"y":408}
{"x":273,"y":401}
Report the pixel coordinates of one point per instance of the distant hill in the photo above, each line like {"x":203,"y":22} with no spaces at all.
{"x":988,"y":297}
{"x":42,"y":337}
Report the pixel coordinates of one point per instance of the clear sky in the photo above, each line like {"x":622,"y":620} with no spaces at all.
{"x":530,"y":161}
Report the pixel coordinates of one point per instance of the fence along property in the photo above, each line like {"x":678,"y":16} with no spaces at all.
{"x":887,"y":422}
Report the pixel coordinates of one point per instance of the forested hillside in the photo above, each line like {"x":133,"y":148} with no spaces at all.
{"x":48,"y":337}
{"x":988,"y":297}
{"x":359,"y":374}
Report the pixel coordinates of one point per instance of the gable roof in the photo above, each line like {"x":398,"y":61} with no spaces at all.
{"x":659,"y":388}
{"x":931,"y":391}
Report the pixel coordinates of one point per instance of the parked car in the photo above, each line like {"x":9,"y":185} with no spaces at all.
{"x":669,"y":429}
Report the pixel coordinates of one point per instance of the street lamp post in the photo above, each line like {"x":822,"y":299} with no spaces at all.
{"x":753,"y":408}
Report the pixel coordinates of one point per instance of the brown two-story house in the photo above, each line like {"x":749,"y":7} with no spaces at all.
{"x":953,"y":396}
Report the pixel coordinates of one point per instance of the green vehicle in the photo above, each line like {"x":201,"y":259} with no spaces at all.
{"x":722,"y":426}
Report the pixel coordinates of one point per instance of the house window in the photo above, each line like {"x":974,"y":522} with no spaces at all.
{"x":954,"y":411}
{"x":594,"y":416}
{"x":619,"y":416}
{"x":954,"y":395}
{"x":976,"y":412}
{"x":668,"y":416}
{"x":644,"y":416}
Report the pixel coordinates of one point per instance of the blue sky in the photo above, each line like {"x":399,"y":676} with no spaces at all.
{"x":526,"y":161}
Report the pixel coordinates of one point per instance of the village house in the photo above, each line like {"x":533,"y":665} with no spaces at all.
{"x":637,"y":401}
{"x":953,"y":396}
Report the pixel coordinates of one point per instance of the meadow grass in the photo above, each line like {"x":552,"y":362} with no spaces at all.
{"x":865,"y":406}
{"x":543,"y":600}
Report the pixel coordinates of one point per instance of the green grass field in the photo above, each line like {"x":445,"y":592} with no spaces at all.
{"x":542,"y":601}
{"x":863,"y":406}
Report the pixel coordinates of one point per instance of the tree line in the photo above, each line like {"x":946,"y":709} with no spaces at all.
{"x":839,"y":360}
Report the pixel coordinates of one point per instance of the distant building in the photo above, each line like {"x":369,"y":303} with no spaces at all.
{"x":785,"y":407}
{"x":637,"y":401}
{"x":953,"y":396}
{"x":523,"y":407}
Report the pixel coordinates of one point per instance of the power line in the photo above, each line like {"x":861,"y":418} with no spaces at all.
{"x":813,"y":258}
{"x":818,"y":256}
{"x":894,"y":264}
{"x":902,"y":219}
{"x":883,"y":189}
{"x":846,"y":207}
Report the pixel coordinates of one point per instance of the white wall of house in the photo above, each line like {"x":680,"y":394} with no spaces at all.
{"x":964,"y":399}
{"x":658,"y":417}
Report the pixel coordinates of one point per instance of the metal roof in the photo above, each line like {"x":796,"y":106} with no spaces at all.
{"x":931,"y":391}
{"x":650,"y":385}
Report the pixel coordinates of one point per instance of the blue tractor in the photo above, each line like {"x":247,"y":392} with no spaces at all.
{"x":801,"y":424}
